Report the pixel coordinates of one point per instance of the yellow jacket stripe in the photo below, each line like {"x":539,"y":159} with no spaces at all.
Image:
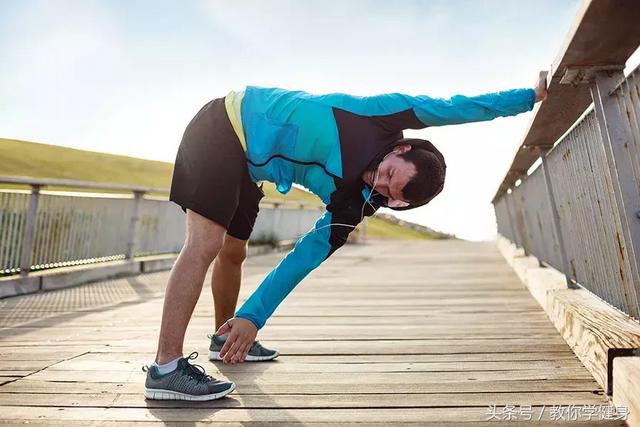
{"x":233,"y":103}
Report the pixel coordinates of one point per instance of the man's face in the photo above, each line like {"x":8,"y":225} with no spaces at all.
{"x":393,"y":174}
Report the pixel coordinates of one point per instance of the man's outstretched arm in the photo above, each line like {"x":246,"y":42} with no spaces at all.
{"x":400,"y":111}
{"x":463,"y":109}
{"x":308,"y":253}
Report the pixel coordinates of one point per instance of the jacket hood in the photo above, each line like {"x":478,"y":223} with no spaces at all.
{"x":415,"y":143}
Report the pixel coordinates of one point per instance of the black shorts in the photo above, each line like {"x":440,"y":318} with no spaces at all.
{"x":210,"y":175}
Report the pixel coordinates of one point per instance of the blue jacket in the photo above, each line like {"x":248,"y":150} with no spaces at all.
{"x":324,"y":143}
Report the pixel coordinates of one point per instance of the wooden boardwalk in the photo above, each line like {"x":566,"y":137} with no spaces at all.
{"x":384,"y":333}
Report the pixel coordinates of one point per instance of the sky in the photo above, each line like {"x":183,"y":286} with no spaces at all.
{"x":126,"y":76}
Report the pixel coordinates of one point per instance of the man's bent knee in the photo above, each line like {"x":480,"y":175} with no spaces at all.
{"x":234,"y":251}
{"x":204,"y":238}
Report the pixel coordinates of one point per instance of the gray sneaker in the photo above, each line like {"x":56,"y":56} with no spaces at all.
{"x":186,"y":382}
{"x":257,"y":353}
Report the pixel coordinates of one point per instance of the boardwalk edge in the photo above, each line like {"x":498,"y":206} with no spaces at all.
{"x":591,"y":327}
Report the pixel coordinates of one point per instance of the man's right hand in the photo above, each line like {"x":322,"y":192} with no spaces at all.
{"x":242,"y":333}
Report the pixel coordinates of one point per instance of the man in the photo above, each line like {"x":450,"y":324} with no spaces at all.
{"x":348,"y":150}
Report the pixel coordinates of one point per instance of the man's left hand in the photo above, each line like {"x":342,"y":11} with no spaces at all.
{"x":541,"y":86}
{"x":242,"y":333}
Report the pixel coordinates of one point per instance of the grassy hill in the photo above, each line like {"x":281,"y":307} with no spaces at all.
{"x":388,"y":226}
{"x":22,"y":158}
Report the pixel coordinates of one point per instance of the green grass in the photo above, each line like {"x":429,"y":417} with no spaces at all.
{"x":22,"y":158}
{"x":381,"y":228}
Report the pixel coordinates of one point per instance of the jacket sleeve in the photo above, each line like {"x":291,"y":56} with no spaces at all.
{"x":329,"y":233}
{"x":415,"y":112}
{"x":307,"y":254}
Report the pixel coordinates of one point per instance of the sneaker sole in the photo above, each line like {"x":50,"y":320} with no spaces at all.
{"x":159,"y":394}
{"x":215,"y":355}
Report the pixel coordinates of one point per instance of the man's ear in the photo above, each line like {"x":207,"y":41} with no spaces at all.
{"x":397,"y":204}
{"x":402,"y":148}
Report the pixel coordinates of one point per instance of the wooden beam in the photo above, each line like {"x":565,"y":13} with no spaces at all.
{"x":593,"y":329}
{"x":626,"y":377}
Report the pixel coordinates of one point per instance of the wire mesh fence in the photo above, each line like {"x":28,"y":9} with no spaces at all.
{"x":41,"y":230}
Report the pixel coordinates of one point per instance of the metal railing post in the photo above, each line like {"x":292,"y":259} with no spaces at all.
{"x":275,"y":222}
{"x":133,"y":225}
{"x":29,"y":231}
{"x":505,"y":196}
{"x":519,"y":239}
{"x":616,"y":141}
{"x":299,"y":220}
{"x":555,"y":217}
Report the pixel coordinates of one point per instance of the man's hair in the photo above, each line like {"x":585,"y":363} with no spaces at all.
{"x":428,"y":179}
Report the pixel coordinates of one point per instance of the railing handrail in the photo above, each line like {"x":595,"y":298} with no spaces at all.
{"x":603,"y":36}
{"x":41,"y":229}
{"x":54,"y":182}
{"x":72,"y":183}
{"x":578,"y":210}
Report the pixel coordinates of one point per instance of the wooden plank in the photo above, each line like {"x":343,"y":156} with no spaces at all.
{"x":74,"y":423}
{"x":399,"y":310}
{"x":323,"y":378}
{"x":6,"y":379}
{"x":496,"y":385}
{"x":432,"y":321}
{"x":546,"y":336}
{"x":279,"y":415}
{"x":15,"y":373}
{"x":22,"y":365}
{"x":133,"y":342}
{"x":353,"y":400}
{"x":559,"y":357}
{"x":591,"y":327}
{"x":626,"y":377}
{"x":133,"y":356}
{"x":41,"y":353}
{"x":354,"y":347}
{"x":249,"y":387}
{"x":292,"y":367}
{"x":522,"y":301}
{"x":350,"y":294}
{"x":432,"y":328}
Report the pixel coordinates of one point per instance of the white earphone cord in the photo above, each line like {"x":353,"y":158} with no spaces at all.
{"x":375,"y":181}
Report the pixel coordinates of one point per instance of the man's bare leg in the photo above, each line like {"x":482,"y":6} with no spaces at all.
{"x":227,"y":274}
{"x":204,"y":239}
